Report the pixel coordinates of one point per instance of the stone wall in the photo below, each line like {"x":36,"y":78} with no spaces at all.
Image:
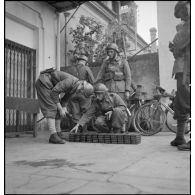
{"x":145,"y":71}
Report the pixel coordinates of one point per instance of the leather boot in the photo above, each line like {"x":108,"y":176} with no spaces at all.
{"x":123,"y":130}
{"x":179,"y":140}
{"x":55,"y":139}
{"x":186,"y":146}
{"x":62,"y":135}
{"x":116,"y":130}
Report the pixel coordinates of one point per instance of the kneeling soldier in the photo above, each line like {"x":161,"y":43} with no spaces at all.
{"x":108,"y":110}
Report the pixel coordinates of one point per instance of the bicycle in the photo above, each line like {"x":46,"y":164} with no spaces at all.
{"x":152,"y":117}
{"x":135,"y":101}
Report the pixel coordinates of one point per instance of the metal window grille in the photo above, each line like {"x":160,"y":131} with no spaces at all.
{"x":20,"y":75}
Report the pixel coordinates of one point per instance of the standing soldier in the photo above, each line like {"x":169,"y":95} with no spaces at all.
{"x":80,"y":69}
{"x":181,"y":46}
{"x":49,"y":86}
{"x":115,"y":73}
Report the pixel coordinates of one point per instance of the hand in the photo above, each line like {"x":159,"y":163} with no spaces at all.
{"x":108,"y":115}
{"x":63,"y":112}
{"x":171,"y":45}
{"x":127,"y":95}
{"x":75,"y":128}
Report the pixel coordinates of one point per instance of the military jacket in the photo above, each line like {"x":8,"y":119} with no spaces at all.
{"x":182,"y":41}
{"x":66,"y":84}
{"x":82,"y":72}
{"x":115,"y":74}
{"x":110,"y":102}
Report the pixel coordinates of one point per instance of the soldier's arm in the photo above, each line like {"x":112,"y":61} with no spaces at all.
{"x":90,"y":77}
{"x":101,"y":72}
{"x":118,"y":102}
{"x":127,"y":74}
{"x":88,"y":115}
{"x":182,"y":38}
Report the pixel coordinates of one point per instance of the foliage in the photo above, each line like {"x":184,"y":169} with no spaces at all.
{"x":94,"y":39}
{"x":88,"y":34}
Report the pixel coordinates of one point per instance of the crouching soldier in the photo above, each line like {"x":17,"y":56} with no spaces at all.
{"x":108,"y":111}
{"x":49,"y":86}
{"x":77,"y":105}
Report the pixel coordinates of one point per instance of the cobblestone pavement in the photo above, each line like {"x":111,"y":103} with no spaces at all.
{"x":33,"y":166}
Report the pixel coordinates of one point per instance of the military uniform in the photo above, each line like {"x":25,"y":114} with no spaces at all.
{"x":111,"y":102}
{"x":47,"y":85}
{"x":116,"y":75}
{"x":77,"y":106}
{"x":181,"y":104}
{"x":181,"y":43}
{"x":82,"y":72}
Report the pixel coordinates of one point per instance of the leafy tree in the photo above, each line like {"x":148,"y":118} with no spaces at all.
{"x":91,"y":38}
{"x":87,"y":35}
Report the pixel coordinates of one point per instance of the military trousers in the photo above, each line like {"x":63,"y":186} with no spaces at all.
{"x":47,"y":106}
{"x":117,"y":120}
{"x":182,"y":101}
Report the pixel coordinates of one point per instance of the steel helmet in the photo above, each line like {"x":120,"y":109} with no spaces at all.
{"x":100,"y":88}
{"x":112,"y":46}
{"x":88,"y":89}
{"x":83,"y":57}
{"x":180,"y":5}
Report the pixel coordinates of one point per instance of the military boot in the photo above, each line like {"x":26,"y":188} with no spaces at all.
{"x":55,"y":139}
{"x":116,"y":130}
{"x":123,"y":130}
{"x":179,"y":140}
{"x":186,"y":146}
{"x":62,"y":135}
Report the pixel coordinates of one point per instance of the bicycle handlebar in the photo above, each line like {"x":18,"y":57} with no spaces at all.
{"x":164,"y":95}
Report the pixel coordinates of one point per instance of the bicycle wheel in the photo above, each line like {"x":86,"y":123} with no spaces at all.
{"x":149,"y":118}
{"x":171,"y":123}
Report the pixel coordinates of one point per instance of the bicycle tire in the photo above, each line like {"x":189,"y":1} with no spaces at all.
{"x":149,"y":119}
{"x":132,"y":111}
{"x":171,"y":123}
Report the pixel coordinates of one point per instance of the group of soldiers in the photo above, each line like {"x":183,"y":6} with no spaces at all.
{"x":80,"y":100}
{"x":102,"y":102}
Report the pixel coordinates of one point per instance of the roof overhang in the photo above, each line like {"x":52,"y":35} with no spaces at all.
{"x":63,"y":6}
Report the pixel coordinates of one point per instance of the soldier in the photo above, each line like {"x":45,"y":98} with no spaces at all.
{"x":49,"y":86}
{"x":178,"y":55}
{"x":108,"y":111}
{"x":181,"y":46}
{"x":115,"y":73}
{"x":80,"y":69}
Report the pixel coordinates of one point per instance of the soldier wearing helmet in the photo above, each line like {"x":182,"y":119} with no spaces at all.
{"x":115,"y":73}
{"x":181,"y":46}
{"x":80,"y":69}
{"x":75,"y":102}
{"x":107,"y":110}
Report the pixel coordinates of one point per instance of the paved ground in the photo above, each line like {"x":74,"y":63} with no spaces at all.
{"x":33,"y":166}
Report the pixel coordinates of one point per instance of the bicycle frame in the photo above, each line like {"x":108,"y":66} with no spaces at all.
{"x":166,"y":107}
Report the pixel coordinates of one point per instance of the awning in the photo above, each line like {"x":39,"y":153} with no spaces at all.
{"x":63,"y":6}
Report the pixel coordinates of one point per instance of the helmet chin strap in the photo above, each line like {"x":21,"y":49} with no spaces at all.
{"x":114,"y":56}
